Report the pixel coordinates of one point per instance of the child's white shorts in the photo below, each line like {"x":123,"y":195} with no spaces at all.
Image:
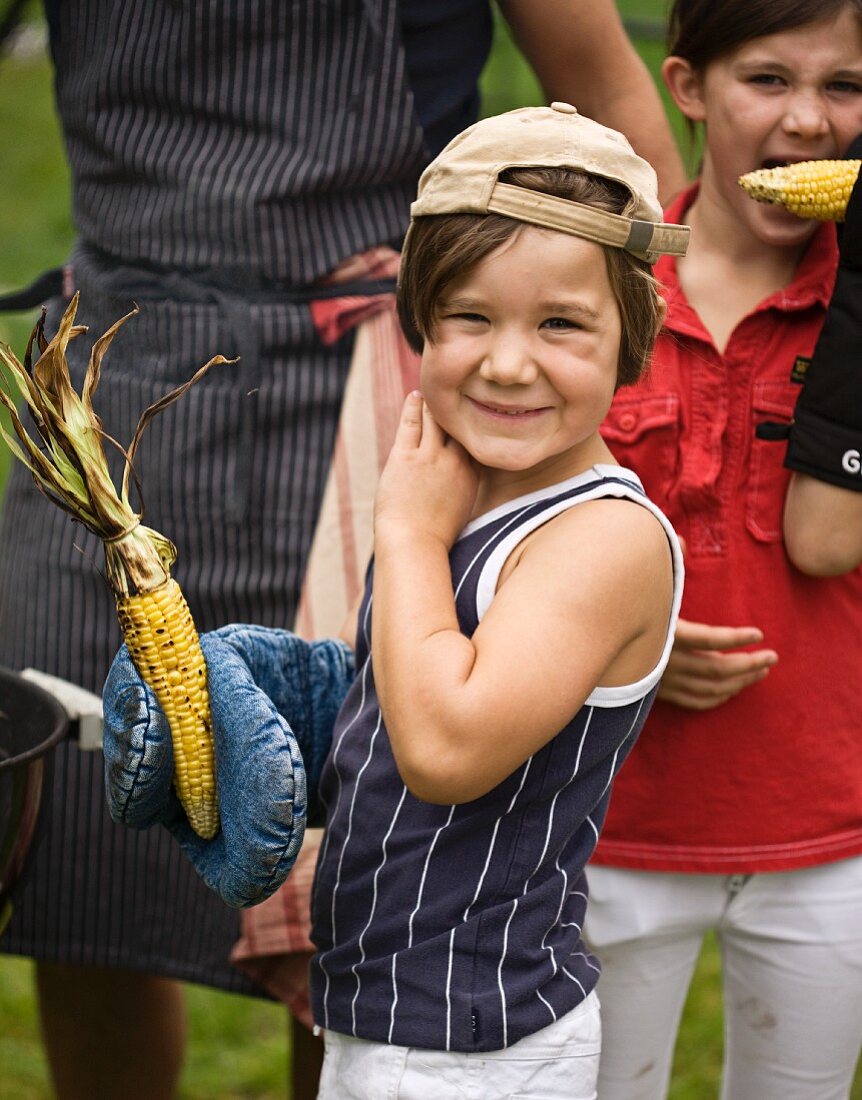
{"x":560,"y":1062}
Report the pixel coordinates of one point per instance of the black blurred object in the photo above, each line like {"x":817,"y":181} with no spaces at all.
{"x":825,"y":439}
{"x":32,"y":722}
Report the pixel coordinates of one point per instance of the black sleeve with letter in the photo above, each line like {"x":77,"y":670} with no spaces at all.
{"x":825,"y":438}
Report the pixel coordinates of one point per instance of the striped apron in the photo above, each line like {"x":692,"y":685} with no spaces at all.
{"x":230,"y":153}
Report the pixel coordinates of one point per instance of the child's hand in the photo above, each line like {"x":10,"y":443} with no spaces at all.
{"x":705,"y":668}
{"x":428,"y":486}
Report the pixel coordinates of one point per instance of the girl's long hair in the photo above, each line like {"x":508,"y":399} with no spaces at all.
{"x":703,"y":30}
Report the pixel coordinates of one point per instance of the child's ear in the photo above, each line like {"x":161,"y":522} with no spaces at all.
{"x":685,"y":86}
{"x":661,"y":314}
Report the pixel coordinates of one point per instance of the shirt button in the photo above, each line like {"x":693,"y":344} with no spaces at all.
{"x":564,"y":108}
{"x":628,"y":421}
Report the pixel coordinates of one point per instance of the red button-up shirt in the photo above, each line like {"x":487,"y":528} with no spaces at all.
{"x":771,"y":779}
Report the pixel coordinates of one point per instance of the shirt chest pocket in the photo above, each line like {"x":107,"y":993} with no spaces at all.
{"x":772,"y":403}
{"x":643,"y":433}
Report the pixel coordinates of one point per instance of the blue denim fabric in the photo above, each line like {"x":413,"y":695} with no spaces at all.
{"x":274,"y":698}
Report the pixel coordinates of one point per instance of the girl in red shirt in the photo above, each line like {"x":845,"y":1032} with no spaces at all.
{"x":740,"y":809}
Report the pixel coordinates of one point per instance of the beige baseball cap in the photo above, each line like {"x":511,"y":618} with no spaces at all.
{"x":465,"y":179}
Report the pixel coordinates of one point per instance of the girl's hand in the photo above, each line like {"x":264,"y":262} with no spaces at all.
{"x":429,"y":483}
{"x":706,"y":668}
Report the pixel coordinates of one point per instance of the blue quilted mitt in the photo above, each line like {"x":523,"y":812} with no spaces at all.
{"x":274,"y":698}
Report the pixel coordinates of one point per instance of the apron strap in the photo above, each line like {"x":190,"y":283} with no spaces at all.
{"x":50,"y":284}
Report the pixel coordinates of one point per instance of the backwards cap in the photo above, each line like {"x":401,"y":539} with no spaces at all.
{"x":465,"y":179}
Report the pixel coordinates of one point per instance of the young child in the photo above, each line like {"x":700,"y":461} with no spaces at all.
{"x":512,"y":633}
{"x":518,"y":616}
{"x":740,"y":808}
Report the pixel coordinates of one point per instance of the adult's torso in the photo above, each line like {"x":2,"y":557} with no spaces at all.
{"x":186,"y":126}
{"x":270,"y":139}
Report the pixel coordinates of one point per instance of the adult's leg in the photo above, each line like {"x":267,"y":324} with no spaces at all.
{"x":306,"y":1061}
{"x":275,"y":950}
{"x":792,"y":946}
{"x":647,"y":929}
{"x":112,"y":1034}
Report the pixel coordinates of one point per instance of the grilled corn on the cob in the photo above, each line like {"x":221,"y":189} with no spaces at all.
{"x":68,"y":464}
{"x":810,"y":189}
{"x":158,"y":629}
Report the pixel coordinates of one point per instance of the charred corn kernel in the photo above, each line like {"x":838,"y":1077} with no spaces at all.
{"x":810,"y":189}
{"x":158,"y":629}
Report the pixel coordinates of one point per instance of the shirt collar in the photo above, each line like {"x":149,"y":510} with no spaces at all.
{"x":811,"y":285}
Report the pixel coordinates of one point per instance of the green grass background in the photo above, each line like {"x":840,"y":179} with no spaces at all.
{"x":237,"y":1045}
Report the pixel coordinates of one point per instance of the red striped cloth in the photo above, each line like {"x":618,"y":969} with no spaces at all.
{"x":275,"y":945}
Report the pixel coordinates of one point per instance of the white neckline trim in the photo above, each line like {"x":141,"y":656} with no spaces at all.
{"x":600,"y":471}
{"x":631,"y":489}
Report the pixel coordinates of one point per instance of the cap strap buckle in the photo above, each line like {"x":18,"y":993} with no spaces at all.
{"x":644,"y":239}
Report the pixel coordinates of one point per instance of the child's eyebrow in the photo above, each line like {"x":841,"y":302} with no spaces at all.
{"x":753,"y":65}
{"x":758,"y":64}
{"x":468,"y":305}
{"x":575,"y":310}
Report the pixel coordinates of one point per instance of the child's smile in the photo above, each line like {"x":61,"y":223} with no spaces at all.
{"x":508,"y":411}
{"x":524,"y":360}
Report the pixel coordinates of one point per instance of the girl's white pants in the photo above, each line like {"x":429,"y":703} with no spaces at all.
{"x":560,"y":1062}
{"x":791,"y":947}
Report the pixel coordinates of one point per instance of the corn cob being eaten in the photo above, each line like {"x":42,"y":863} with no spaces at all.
{"x":810,"y":189}
{"x":69,"y":465}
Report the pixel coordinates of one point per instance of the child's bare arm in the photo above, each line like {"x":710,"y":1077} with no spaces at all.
{"x":586,"y":604}
{"x":822,"y":527}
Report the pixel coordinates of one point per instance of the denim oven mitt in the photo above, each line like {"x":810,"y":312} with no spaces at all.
{"x":274,"y":698}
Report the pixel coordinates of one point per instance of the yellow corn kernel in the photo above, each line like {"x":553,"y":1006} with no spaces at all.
{"x":810,"y":189}
{"x":158,"y":629}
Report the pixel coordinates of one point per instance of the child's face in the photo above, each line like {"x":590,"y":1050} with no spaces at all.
{"x":524,"y":362}
{"x":792,"y":96}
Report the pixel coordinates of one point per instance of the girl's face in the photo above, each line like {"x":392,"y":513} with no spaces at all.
{"x":791,"y":96}
{"x":524,"y":362}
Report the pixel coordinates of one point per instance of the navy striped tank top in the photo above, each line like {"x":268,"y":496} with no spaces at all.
{"x":459,"y":927}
